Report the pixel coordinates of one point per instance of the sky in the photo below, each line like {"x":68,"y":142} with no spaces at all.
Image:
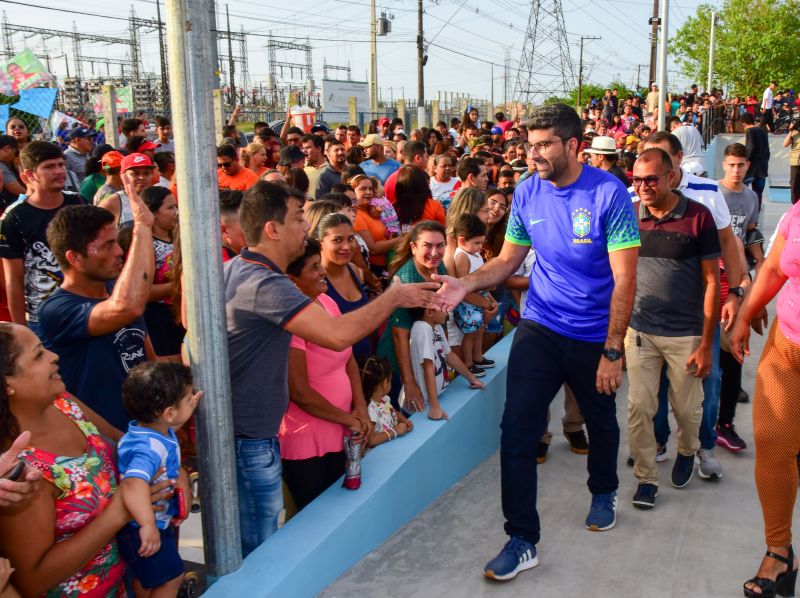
{"x":469,"y":39}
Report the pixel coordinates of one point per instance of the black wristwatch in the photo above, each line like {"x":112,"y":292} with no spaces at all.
{"x":738,"y":291}
{"x":612,"y":354}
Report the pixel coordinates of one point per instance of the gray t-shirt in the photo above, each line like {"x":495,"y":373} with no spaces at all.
{"x":259,"y":301}
{"x":744,"y":209}
{"x":328,"y":177}
{"x":76,"y":162}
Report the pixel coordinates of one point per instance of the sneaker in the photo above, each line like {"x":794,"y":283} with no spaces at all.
{"x":541,"y":452}
{"x":476,"y":371}
{"x":645,"y":497}
{"x":729,"y":439}
{"x":743,"y":396}
{"x":683,"y":470}
{"x":577,"y":442}
{"x":661,"y":453}
{"x":709,"y":466}
{"x":484,"y":363}
{"x":603,"y":513}
{"x":517,"y":555}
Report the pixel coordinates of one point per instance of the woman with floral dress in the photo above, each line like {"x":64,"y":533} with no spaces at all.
{"x":61,"y":542}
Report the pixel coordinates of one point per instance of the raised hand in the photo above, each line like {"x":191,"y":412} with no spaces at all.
{"x":141,"y":213}
{"x":451,"y":292}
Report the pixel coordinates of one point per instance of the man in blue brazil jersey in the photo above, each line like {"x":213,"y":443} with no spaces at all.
{"x":583,"y":227}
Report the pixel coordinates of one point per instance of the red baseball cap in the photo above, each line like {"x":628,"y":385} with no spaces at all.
{"x":148,"y":145}
{"x":136,"y":161}
{"x":383,"y":121}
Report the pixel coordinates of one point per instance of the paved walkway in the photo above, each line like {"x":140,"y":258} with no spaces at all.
{"x":702,"y":541}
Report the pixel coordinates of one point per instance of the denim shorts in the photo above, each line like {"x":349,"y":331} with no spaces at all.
{"x":155,"y":570}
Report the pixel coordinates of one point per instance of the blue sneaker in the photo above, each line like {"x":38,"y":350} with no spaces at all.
{"x":603,"y":514}
{"x":517,"y":555}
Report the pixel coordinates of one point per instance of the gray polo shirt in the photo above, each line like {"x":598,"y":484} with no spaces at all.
{"x":259,"y":301}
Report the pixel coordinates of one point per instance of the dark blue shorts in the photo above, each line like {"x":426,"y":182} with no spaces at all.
{"x":155,"y":570}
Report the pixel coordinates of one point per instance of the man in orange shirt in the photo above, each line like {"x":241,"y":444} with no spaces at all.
{"x":230,"y":174}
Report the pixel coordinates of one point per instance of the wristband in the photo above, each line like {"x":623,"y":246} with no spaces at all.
{"x":388,"y":436}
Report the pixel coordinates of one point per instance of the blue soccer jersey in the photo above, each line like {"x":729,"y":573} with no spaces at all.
{"x":141,"y":453}
{"x":572,"y":229}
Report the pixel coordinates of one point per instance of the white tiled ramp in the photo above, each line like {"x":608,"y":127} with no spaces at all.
{"x":702,"y":541}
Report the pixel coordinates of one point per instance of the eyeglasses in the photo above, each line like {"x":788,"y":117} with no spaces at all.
{"x":542,"y":146}
{"x":651,"y":181}
{"x":496,"y":205}
{"x":225,"y":164}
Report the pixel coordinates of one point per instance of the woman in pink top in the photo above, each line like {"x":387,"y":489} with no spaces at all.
{"x":776,"y":409}
{"x":326,"y":400}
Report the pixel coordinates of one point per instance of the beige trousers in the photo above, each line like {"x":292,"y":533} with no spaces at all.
{"x":645,"y":355}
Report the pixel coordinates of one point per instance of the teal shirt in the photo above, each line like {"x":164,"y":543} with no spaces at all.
{"x":401,"y":317}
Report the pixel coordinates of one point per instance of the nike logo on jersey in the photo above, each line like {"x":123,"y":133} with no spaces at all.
{"x":532,"y":222}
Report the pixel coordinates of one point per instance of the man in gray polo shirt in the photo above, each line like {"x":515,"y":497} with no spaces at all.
{"x":263,"y":310}
{"x":679,"y":254}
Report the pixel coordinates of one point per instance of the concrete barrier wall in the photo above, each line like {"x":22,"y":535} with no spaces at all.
{"x":778,"y":157}
{"x":400,"y":479}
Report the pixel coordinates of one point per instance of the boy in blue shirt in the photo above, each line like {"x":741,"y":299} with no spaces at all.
{"x":161,"y":397}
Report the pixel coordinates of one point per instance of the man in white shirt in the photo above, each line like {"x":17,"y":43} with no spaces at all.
{"x":767,"y":103}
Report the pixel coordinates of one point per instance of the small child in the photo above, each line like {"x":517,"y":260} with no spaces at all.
{"x":382,"y":209}
{"x":430,"y":356}
{"x":161,"y":397}
{"x":477,"y":308}
{"x":376,"y":382}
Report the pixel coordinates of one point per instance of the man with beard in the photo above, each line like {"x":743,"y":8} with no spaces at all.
{"x":31,"y":272}
{"x":332,"y":173}
{"x":582,"y":224}
{"x":93,"y":321}
{"x":264,"y":309}
{"x":377,"y":164}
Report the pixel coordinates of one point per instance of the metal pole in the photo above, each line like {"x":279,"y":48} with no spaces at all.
{"x":651,"y":76}
{"x":492,"y":84}
{"x":422,"y":119}
{"x":373,"y":59}
{"x":162,"y":53}
{"x":711,"y":52}
{"x":580,"y":78}
{"x":231,"y":63}
{"x":189,"y":31}
{"x":662,"y":65}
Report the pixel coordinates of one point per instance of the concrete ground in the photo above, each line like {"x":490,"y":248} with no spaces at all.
{"x":701,"y":541}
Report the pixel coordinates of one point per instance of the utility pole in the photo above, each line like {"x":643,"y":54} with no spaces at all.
{"x":711,"y":52}
{"x":580,"y":71}
{"x":492,"y":84}
{"x":231,"y":63}
{"x":651,"y":77}
{"x":422,"y":119}
{"x":373,"y":59}
{"x":162,"y":52}
{"x":191,"y":35}
{"x":662,"y":66}
{"x":639,"y":76}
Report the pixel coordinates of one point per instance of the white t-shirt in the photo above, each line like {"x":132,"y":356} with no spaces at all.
{"x":441,"y":191}
{"x":429,"y":342}
{"x":525,"y":270}
{"x":382,"y":414}
{"x":768,"y":100}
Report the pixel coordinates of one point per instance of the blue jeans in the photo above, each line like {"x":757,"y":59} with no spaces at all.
{"x":711,"y":389}
{"x":258,"y":481}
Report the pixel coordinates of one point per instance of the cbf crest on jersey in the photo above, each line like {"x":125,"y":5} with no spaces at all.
{"x":581,"y":225}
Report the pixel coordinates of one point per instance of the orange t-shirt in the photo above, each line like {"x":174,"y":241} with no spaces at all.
{"x":433,"y":211}
{"x":241,"y":181}
{"x":375,"y":228}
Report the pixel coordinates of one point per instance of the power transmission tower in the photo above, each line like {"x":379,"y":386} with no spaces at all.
{"x":545,"y":67}
{"x":506,"y":82}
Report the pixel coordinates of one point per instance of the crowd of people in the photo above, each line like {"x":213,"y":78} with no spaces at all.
{"x":364,"y":270}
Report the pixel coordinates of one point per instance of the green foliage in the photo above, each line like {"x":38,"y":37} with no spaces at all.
{"x":756,"y":42}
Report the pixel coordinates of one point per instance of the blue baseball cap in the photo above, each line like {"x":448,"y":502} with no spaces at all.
{"x":497,"y":130}
{"x":81,"y":133}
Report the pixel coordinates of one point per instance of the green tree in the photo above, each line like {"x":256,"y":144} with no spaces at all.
{"x":756,"y":42}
